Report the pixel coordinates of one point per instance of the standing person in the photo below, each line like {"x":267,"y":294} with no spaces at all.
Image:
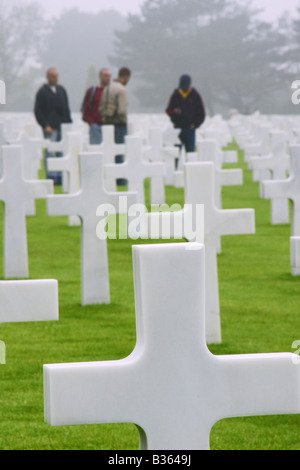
{"x":113,"y":109}
{"x":51,"y":109}
{"x":186,"y":111}
{"x":91,"y":107}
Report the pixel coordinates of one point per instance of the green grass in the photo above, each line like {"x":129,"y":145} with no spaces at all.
{"x":260,"y":307}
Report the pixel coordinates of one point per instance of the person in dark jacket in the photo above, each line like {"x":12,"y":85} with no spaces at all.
{"x":51,"y":109}
{"x":186,"y":111}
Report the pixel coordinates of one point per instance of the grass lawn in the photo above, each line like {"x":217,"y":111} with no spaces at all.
{"x":260,"y":308}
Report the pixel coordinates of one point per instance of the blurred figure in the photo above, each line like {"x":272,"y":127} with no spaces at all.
{"x":51,"y":109}
{"x":113,"y":109}
{"x":91,"y":107}
{"x":187,"y":112}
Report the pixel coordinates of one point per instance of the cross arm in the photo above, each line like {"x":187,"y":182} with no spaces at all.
{"x":258,"y":384}
{"x":237,"y":221}
{"x":261,"y":163}
{"x":21,"y":301}
{"x":275,"y":189}
{"x":40,"y":189}
{"x":59,"y":164}
{"x":171,"y":151}
{"x":63,"y":204}
{"x":53,"y":146}
{"x":154,"y":169}
{"x":229,"y":156}
{"x":120,"y":170}
{"x":229,"y":177}
{"x":90,"y":393}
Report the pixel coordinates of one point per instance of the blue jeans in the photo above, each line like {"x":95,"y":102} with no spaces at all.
{"x":120,"y":134}
{"x":56,"y":176}
{"x":95,"y":134}
{"x":188,"y":139}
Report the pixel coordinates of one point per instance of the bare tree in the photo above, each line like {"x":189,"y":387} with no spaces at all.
{"x":23,"y":30}
{"x":231,"y":54}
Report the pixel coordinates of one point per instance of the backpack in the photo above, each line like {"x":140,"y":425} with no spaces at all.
{"x":88,"y":103}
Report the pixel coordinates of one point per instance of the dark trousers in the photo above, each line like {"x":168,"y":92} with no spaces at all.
{"x":56,"y":176}
{"x":188,"y":139}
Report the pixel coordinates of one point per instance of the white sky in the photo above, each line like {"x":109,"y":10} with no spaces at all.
{"x":273,"y":8}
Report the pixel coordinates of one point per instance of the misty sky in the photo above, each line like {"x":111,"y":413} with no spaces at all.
{"x":273,"y":8}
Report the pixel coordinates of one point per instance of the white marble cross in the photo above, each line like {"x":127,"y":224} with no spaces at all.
{"x":32,"y":149}
{"x":85,"y":203}
{"x":155,"y":154}
{"x":158,"y":152}
{"x":110,"y":150}
{"x":261,"y":144}
{"x":135,"y":169}
{"x":295,"y":255}
{"x":172,"y":144}
{"x":15,"y":192}
{"x":200,"y":189}
{"x":260,"y":148}
{"x":61,"y":146}
{"x":208,"y":151}
{"x":69,"y":163}
{"x":288,"y":188}
{"x":278,"y":162}
{"x":171,"y":386}
{"x":28,"y":301}
{"x":32,"y":154}
{"x":108,"y":146}
{"x":223,"y":156}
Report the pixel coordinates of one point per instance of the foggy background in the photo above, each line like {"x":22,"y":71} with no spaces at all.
{"x":238,"y":57}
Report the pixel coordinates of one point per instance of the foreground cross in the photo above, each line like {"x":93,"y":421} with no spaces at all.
{"x":171,"y":386}
{"x":16,"y":192}
{"x":85,"y":203}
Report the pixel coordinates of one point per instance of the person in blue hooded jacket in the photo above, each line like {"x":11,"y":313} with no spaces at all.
{"x":187,"y":112}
